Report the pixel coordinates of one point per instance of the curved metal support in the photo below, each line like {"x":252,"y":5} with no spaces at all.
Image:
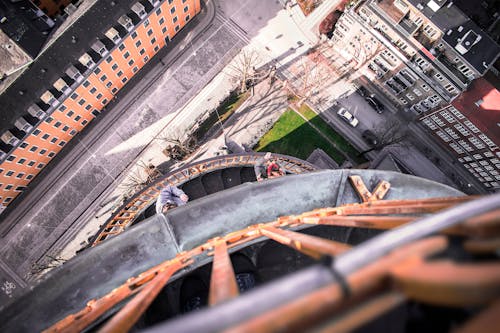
{"x":128,"y":212}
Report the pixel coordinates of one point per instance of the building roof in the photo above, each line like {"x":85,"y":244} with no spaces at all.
{"x":460,"y":32}
{"x":59,"y":55}
{"x":480,"y":103}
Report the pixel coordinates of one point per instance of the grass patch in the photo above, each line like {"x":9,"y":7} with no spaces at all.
{"x":225,"y":110}
{"x":326,"y":129}
{"x":292,"y":135}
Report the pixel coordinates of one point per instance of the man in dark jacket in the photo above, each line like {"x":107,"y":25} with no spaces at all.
{"x":170,"y":196}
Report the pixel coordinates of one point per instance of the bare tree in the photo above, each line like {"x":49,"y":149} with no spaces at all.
{"x":392,"y":132}
{"x":311,"y":75}
{"x":178,"y":146}
{"x":242,"y":68}
{"x":142,"y":175}
{"x":49,"y":262}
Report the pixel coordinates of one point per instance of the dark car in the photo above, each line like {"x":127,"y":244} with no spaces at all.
{"x":375,"y":103}
{"x":370,"y":137}
{"x":362,"y":91}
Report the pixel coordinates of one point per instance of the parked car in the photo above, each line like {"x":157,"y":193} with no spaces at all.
{"x":370,"y":137}
{"x":375,"y":103}
{"x":362,"y":91}
{"x":348,"y":117}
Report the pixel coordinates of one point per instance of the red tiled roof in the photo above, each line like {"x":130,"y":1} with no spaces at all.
{"x":486,"y":115}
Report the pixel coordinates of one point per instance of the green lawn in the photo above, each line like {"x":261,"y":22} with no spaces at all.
{"x":291,"y":135}
{"x":342,"y":143}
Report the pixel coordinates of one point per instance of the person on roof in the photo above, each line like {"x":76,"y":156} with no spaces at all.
{"x":274,"y":170}
{"x":170,"y":197}
{"x":260,"y":167}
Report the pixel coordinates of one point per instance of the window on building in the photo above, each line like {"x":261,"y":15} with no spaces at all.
{"x":146,"y":58}
{"x":21,"y":161}
{"x":49,"y":120}
{"x":97,"y":71}
{"x":33,"y":149}
{"x":23,"y":145}
{"x":98,"y":96}
{"x":124,"y":79}
{"x":11,"y":158}
{"x":114,"y":67}
{"x":156,"y":48}
{"x":62,"y":143}
{"x":36,"y":132}
{"x":53,"y":140}
{"x":81,"y":102}
{"x":77,"y":118}
{"x":114,"y":90}
{"x":31,"y":163}
{"x":161,"y":21}
{"x":74,"y":96}
{"x":177,"y":27}
{"x":8,"y":199}
{"x":121,"y":47}
{"x":131,"y":62}
{"x":146,"y":23}
{"x":45,"y":136}
{"x":103,"y":78}
{"x":142,"y":51}
{"x":135,"y":69}
{"x":28,"y":177}
{"x":120,"y":73}
{"x":174,"y":20}
{"x":84,"y":122}
{"x":153,"y":41}
{"x":109,"y":59}
{"x":9,"y":173}
{"x":126,"y":55}
{"x":42,"y":151}
{"x":187,"y":18}
{"x":88,"y":107}
{"x":62,"y":108}
{"x":72,"y":132}
{"x":20,"y":188}
{"x":104,"y":101}
{"x":133,"y":35}
{"x":186,"y":9}
{"x":86,"y":83}
{"x":163,"y":30}
{"x":109,"y":84}
{"x":172,"y":10}
{"x":150,"y":32}
{"x":20,"y":175}
{"x":65,"y":128}
{"x":93,"y":90}
{"x":57,"y":124}
{"x":40,"y":165}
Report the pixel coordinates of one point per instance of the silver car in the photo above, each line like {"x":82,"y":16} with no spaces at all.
{"x":348,"y":117}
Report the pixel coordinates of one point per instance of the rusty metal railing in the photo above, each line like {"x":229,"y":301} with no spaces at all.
{"x":390,"y":273}
{"x":129,"y":211}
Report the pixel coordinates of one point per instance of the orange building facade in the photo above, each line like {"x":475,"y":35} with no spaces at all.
{"x":52,"y":7}
{"x":77,"y":102}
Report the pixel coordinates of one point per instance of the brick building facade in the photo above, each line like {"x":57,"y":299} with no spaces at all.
{"x":75,"y":77}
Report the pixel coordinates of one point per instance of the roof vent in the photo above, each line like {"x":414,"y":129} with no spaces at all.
{"x":113,"y":35}
{"x":154,"y":2}
{"x":49,"y":99}
{"x":36,"y":111}
{"x":126,"y":22}
{"x":9,"y":138}
{"x":23,"y":125}
{"x":62,"y":86}
{"x":99,"y":47}
{"x":467,"y":42}
{"x":139,"y":9}
{"x":74,"y":73}
{"x":86,"y":60}
{"x":435,"y":5}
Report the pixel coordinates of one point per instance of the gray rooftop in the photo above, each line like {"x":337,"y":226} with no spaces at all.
{"x":460,"y":32}
{"x":62,"y":52}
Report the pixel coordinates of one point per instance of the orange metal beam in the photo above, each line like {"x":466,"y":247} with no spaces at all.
{"x":125,"y":319}
{"x":223,"y":284}
{"x":363,"y":313}
{"x":312,"y":246}
{"x":487,"y":321}
{"x":370,"y":222}
{"x":447,"y":283}
{"x":322,"y":303}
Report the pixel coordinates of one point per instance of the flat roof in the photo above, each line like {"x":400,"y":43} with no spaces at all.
{"x":63,"y":51}
{"x":480,"y":103}
{"x":459,"y":29}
